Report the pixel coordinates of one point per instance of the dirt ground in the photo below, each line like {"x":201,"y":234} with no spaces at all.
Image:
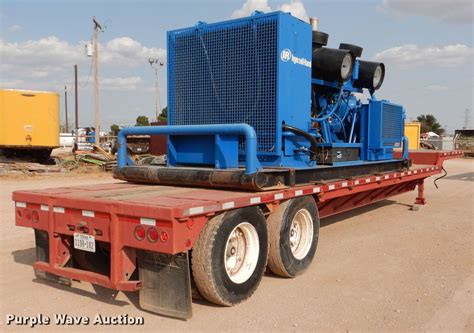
{"x":383,"y":267}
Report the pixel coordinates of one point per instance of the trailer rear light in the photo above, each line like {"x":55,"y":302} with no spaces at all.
{"x":139,"y":232}
{"x":164,"y":236}
{"x":27,"y":214}
{"x":35,"y":216}
{"x":153,"y":234}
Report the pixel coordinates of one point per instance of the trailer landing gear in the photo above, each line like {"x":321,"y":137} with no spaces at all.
{"x":420,"y":199}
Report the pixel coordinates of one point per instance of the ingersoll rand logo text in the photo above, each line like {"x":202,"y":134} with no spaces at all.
{"x":287,"y":55}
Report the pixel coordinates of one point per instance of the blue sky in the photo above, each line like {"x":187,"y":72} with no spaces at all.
{"x":426,"y":45}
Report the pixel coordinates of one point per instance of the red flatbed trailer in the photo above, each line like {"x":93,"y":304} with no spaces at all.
{"x":111,"y":213}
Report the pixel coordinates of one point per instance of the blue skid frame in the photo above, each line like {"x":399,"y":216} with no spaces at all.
{"x":224,"y":134}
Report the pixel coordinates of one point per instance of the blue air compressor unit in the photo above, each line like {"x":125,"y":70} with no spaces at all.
{"x":261,"y":101}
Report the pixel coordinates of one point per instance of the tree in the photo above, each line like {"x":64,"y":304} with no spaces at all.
{"x":163,"y":115}
{"x":142,"y":121}
{"x":114,"y":129}
{"x":429,"y":123}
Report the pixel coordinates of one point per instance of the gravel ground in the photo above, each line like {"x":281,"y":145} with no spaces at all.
{"x":382,"y":267}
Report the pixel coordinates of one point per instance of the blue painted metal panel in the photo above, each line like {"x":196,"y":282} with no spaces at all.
{"x":226,"y":151}
{"x":384,"y":129}
{"x":225,"y":73}
{"x":254,"y":70}
{"x":198,"y":151}
{"x":294,"y":89}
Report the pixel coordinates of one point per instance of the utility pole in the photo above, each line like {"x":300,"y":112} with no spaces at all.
{"x":467,"y":119}
{"x":76,"y":100}
{"x":97,"y":27}
{"x":65,"y":107}
{"x":155,"y":64}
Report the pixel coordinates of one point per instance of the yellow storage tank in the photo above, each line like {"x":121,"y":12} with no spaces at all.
{"x":412,"y":131}
{"x":29,"y":122}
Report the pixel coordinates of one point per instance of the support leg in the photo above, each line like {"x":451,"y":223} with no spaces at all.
{"x":420,"y":199}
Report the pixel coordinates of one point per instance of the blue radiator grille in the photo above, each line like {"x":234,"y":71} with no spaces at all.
{"x":224,"y":74}
{"x":392,"y":124}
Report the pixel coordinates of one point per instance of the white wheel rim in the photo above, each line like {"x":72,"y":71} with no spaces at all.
{"x":241,"y":252}
{"x":301,"y":234}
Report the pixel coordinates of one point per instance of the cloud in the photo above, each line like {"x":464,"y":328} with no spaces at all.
{"x":412,"y":55}
{"x":49,"y":60}
{"x":436,"y":88}
{"x":452,"y":11}
{"x":129,"y":52}
{"x":250,"y":6}
{"x":51,"y":51}
{"x":120,"y":83}
{"x":15,"y":28}
{"x":295,"y":7}
{"x":43,"y":52}
{"x":12,"y":84}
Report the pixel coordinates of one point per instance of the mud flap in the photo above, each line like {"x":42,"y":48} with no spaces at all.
{"x":166,"y":284}
{"x":42,"y":254}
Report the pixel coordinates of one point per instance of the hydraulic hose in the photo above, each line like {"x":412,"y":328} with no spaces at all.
{"x":308,"y":136}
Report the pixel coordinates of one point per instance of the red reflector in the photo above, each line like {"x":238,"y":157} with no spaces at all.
{"x":19,"y":213}
{"x":139,"y":232}
{"x":35,"y":216}
{"x":27,"y":214}
{"x":164,"y":236}
{"x":152,"y":234}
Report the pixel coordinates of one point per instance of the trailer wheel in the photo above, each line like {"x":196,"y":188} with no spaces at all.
{"x":230,"y":256}
{"x":293,"y":233}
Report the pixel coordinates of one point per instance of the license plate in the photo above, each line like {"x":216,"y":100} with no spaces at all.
{"x":84,"y":242}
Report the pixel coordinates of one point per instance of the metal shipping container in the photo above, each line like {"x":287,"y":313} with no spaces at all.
{"x":29,"y":121}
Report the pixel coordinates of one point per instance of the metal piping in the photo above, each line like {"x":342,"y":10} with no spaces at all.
{"x":405,"y":147}
{"x":251,"y":161}
{"x":314,"y":21}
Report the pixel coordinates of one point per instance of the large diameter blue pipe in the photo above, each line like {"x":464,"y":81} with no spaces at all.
{"x":251,"y":162}
{"x":405,"y":147}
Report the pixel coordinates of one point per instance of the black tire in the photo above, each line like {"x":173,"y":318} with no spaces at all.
{"x":281,"y":259}
{"x":355,"y":49}
{"x":320,"y":38}
{"x":97,"y":262}
{"x":209,"y":255}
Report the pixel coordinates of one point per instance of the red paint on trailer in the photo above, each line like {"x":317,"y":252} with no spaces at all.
{"x":430,"y":157}
{"x":111,"y":213}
